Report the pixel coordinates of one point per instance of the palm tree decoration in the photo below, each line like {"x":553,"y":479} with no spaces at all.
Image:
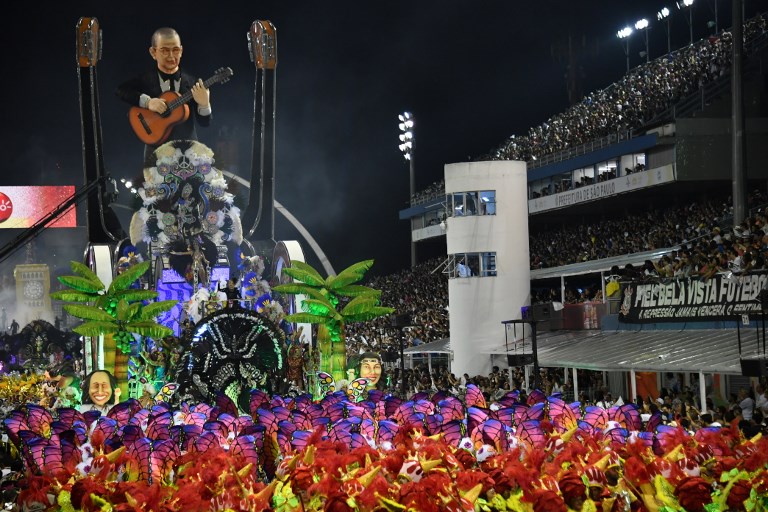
{"x":320,"y":307}
{"x":117,"y":310}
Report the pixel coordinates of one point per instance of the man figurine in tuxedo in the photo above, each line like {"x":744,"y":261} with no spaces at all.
{"x":144,"y":90}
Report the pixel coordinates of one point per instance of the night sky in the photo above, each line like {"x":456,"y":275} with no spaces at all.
{"x":472,"y":73}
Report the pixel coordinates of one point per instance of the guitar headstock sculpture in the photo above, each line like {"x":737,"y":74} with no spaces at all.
{"x":262,"y":42}
{"x":88,"y":42}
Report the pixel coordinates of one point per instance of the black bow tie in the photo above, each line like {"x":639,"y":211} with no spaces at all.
{"x":172,"y":77}
{"x":165,"y":76}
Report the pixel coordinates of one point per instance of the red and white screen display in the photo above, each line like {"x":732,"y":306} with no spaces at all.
{"x":23,"y":207}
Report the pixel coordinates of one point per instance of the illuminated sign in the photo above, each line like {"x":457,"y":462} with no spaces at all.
{"x":23,"y":207}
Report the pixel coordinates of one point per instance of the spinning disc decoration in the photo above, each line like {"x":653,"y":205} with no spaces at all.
{"x":233,"y":351}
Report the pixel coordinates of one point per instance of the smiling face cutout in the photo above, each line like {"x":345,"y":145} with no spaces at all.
{"x":100,"y":388}
{"x":370,"y":368}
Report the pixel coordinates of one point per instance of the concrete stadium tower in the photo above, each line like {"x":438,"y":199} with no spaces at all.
{"x":493,"y":238}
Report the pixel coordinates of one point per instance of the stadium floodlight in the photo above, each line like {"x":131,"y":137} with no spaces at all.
{"x":406,"y":135}
{"x":663,"y":14}
{"x":406,"y":146}
{"x":642,"y":24}
{"x":687,"y":4}
{"x":624,"y":34}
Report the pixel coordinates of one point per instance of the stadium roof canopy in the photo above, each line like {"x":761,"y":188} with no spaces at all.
{"x":655,"y":350}
{"x":442,"y":346}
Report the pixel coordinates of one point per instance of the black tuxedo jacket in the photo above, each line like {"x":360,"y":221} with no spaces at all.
{"x":149,"y":83}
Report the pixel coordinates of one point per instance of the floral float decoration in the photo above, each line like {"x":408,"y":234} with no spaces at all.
{"x":427,"y":454}
{"x":185,"y":195}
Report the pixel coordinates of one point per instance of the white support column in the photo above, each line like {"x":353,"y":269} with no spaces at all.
{"x":633,"y":385}
{"x":602,"y":286}
{"x":702,"y":392}
{"x":100,"y":353}
{"x":527,"y":377}
{"x":88,"y":366}
{"x":575,"y":384}
{"x":565,"y":375}
{"x":562,"y":289}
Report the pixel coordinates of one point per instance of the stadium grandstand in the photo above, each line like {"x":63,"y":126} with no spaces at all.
{"x":639,"y":265}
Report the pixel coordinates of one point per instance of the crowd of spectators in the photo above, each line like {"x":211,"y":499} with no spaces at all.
{"x":699,"y":234}
{"x":675,"y":402}
{"x":436,"y":189}
{"x":633,"y":101}
{"x":421,"y":293}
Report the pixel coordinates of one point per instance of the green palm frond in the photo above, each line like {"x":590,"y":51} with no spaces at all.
{"x":319,"y":300}
{"x":148,"y":328}
{"x":299,"y":289}
{"x":133,"y":295}
{"x":88,"y":312}
{"x":301,"y":275}
{"x":349,"y":275}
{"x":127,"y":278}
{"x":317,"y":279}
{"x":355,"y":290}
{"x":151,"y":311}
{"x":320,"y":308}
{"x":85,"y":272}
{"x":307,"y":318}
{"x":72,"y":296}
{"x":130,"y":312}
{"x":96,"y":328}
{"x":122,"y":310}
{"x":368,"y":314}
{"x":360,"y":302}
{"x":82,"y":284}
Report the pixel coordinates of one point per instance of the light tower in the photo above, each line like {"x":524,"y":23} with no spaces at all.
{"x":624,"y":34}
{"x":688,"y":4}
{"x":643,"y":25}
{"x":663,"y":14}
{"x":406,"y":147}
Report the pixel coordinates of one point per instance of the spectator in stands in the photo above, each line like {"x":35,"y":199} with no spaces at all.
{"x":462,"y":270}
{"x":761,"y":399}
{"x":746,"y":403}
{"x":642,"y":94}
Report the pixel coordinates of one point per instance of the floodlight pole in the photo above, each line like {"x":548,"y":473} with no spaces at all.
{"x":643,"y":25}
{"x":647,"y":50}
{"x":412,"y":173}
{"x":407,"y":147}
{"x":626,"y":52}
{"x":690,"y":22}
{"x":624,"y":34}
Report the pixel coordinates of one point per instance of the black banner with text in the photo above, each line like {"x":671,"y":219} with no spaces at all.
{"x":691,"y":299}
